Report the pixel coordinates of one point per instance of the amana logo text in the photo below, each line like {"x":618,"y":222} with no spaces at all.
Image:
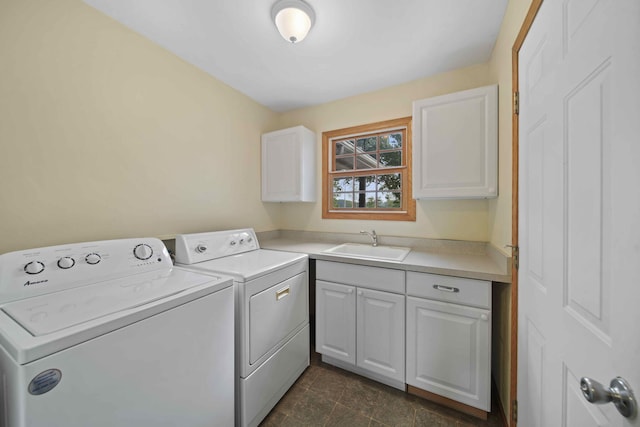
{"x":35,"y":282}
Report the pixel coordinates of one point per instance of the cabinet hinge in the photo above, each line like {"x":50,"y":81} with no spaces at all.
{"x":515,"y":254}
{"x":516,"y":102}
{"x":514,"y":411}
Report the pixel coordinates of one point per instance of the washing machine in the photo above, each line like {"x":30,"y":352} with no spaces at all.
{"x":110,"y":333}
{"x":272,"y":313}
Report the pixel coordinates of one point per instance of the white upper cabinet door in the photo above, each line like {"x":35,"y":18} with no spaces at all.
{"x":289,"y":166}
{"x":455,"y":145}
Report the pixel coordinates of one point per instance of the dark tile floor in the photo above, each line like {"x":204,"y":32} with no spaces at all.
{"x":328,"y":396}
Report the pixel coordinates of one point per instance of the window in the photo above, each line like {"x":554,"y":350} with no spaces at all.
{"x":367,"y":172}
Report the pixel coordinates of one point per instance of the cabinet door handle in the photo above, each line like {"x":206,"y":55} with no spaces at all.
{"x":350,"y":291}
{"x":360,"y":292}
{"x":282,"y":293}
{"x":446,"y":288}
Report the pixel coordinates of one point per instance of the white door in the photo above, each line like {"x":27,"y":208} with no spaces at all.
{"x":579,"y":223}
{"x":380,"y":333}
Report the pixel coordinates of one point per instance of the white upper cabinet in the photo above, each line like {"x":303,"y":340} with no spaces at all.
{"x":455,"y":145}
{"x":289,"y":166}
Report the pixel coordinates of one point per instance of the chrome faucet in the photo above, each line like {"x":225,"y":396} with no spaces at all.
{"x":373,"y":236}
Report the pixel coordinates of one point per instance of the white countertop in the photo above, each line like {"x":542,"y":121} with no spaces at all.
{"x":473,"y":266}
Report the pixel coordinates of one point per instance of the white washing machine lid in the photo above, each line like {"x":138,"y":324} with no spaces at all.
{"x":34,"y":327}
{"x":249,"y":265}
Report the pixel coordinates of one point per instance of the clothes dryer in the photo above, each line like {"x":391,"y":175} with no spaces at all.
{"x":272,"y":313}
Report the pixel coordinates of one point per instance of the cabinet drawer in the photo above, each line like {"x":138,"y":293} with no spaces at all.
{"x":382,"y":279}
{"x":450,"y":289}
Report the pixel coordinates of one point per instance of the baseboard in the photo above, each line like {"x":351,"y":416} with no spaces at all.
{"x":444,"y":401}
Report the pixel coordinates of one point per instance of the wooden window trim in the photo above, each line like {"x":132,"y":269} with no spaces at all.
{"x":408,"y":213}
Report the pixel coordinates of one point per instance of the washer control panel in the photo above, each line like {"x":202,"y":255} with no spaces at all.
{"x":198,"y":247}
{"x":27,"y":273}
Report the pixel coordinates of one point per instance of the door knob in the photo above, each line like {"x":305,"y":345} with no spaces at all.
{"x":619,"y":392}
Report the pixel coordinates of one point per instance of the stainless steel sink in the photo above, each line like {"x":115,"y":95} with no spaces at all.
{"x":356,"y":250}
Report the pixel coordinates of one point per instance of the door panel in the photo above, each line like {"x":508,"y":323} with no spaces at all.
{"x":587,"y":183}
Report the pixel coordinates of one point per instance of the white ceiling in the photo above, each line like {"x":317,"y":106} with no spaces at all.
{"x":355,"y":46}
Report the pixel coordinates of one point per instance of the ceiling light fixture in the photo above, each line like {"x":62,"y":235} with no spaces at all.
{"x":293,"y":18}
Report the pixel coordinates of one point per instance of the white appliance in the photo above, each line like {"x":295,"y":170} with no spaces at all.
{"x":272,"y":313}
{"x":110,"y":334}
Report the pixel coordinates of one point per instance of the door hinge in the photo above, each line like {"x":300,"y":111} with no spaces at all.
{"x":515,"y":253}
{"x":516,"y":102}
{"x":514,"y":411}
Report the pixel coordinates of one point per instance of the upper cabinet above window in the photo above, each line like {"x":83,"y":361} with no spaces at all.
{"x":289,"y":165}
{"x":455,"y":145}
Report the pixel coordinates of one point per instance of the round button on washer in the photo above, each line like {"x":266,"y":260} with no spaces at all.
{"x":34,"y":267}
{"x":93,"y":258}
{"x":66,"y":262}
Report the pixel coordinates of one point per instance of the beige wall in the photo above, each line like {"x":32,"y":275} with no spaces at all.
{"x":106,"y":135}
{"x":103,"y":134}
{"x":441,"y":219}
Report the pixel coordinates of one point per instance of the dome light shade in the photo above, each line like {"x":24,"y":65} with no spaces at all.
{"x":293,"y":18}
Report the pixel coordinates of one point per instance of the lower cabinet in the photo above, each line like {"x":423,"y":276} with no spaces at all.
{"x":448,"y":338}
{"x":372,"y":320}
{"x":361,"y":327}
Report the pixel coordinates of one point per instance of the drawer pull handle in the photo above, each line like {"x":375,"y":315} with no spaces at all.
{"x":446,"y":288}
{"x":282,"y":293}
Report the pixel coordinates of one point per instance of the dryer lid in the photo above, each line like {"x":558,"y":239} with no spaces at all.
{"x":250,"y":265}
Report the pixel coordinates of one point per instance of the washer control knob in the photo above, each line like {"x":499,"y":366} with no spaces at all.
{"x":93,"y":258}
{"x":66,"y":262}
{"x":34,"y":267}
{"x":232,"y":243}
{"x":201,"y":248}
{"x":143,"y":251}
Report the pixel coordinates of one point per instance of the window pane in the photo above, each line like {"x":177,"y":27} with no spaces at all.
{"x":344,"y":147}
{"x":392,"y":181}
{"x":360,"y":182}
{"x":395,"y":140}
{"x":343,"y":184}
{"x":391,"y":141}
{"x":387,"y":199}
{"x":391,"y":158}
{"x":343,"y":200}
{"x":367,"y":144}
{"x":359,"y":199}
{"x":366,"y":161}
{"x":366,"y":183}
{"x":370,"y":199}
{"x":344,"y":163}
